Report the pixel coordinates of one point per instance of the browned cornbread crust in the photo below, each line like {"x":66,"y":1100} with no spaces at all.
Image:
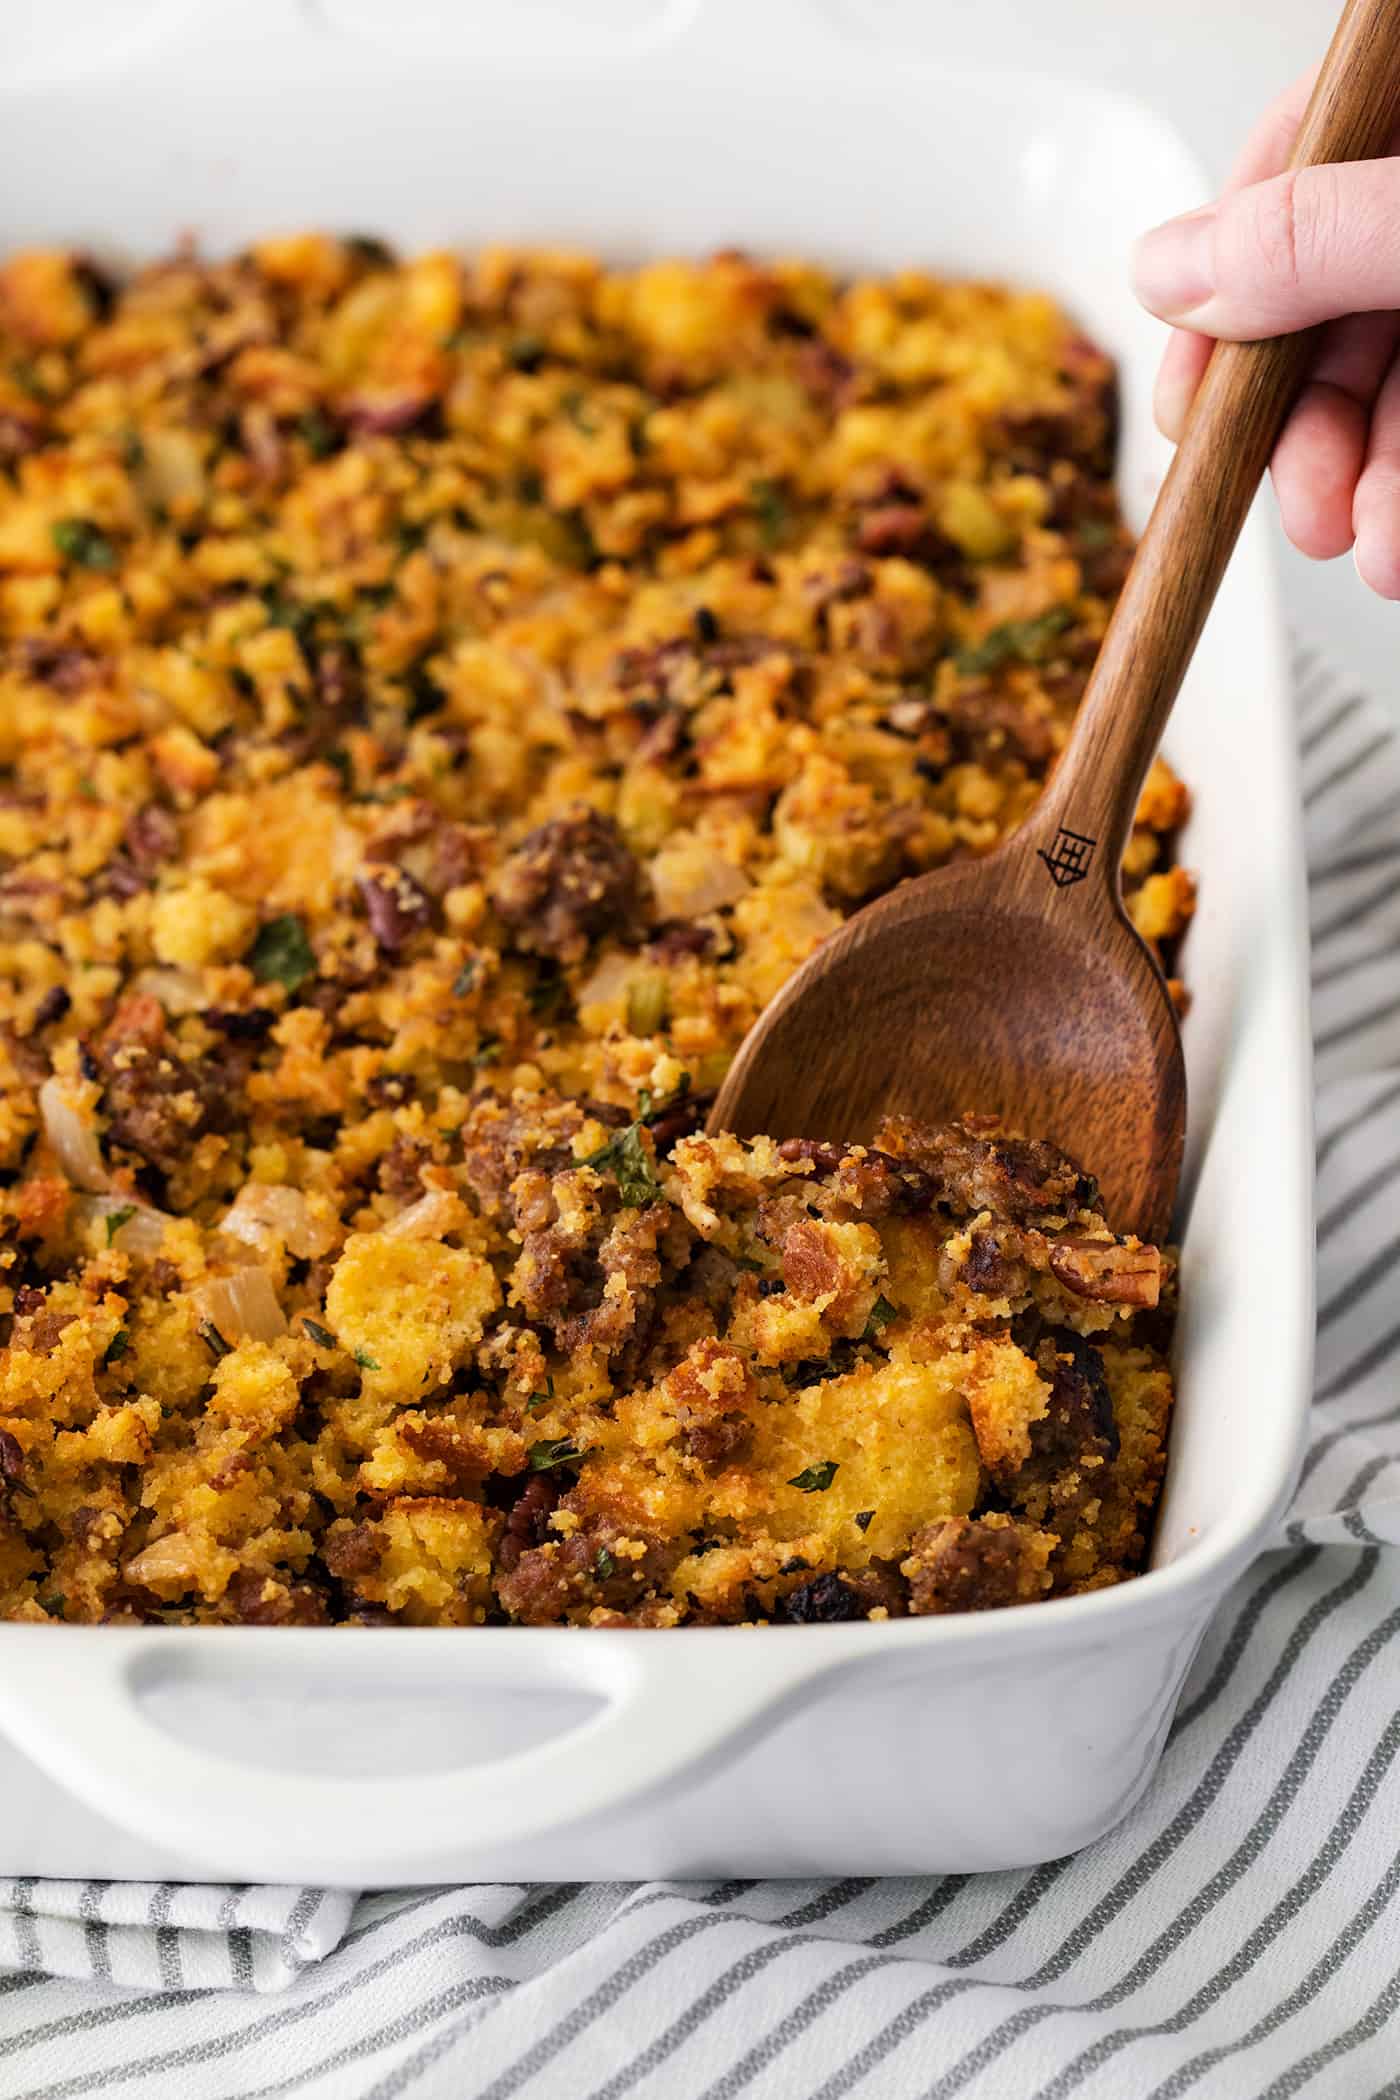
{"x":439,"y":704}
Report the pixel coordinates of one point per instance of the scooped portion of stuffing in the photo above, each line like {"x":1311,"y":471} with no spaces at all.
{"x":440,"y":703}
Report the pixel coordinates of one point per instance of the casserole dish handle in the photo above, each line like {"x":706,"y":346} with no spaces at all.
{"x":77,"y":1702}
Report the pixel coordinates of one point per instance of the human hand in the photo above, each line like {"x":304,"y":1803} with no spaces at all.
{"x":1279,"y":252}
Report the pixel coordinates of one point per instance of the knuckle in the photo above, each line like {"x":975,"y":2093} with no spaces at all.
{"x":1273,"y":238}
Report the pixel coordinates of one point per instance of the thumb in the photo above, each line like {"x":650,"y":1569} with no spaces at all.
{"x":1279,"y":255}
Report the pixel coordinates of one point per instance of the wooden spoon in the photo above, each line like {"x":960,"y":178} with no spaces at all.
{"x":1016,"y":984}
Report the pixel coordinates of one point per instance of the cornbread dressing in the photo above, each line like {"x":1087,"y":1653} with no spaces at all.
{"x":440,"y":703}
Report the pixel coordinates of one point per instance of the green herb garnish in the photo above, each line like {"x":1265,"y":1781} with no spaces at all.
{"x":488,"y":1051}
{"x":117,"y":1218}
{"x":526,"y":353}
{"x":603,"y":1564}
{"x":1023,"y":641}
{"x":368,"y":250}
{"x":365,"y":1361}
{"x":626,"y":1157}
{"x":548,"y":995}
{"x":553,"y":1451}
{"x":575,"y":408}
{"x":56,"y":1606}
{"x":537,"y":1401}
{"x":881,"y":1313}
{"x":864,"y":1519}
{"x":117,"y":1347}
{"x":282,"y":953}
{"x":816,"y":1479}
{"x":318,"y":1333}
{"x":318,"y":432}
{"x":214,"y":1342}
{"x":425,"y":695}
{"x":298,"y":619}
{"x":79,"y":540}
{"x":770,"y":508}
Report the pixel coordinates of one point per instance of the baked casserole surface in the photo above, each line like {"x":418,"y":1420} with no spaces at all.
{"x":440,"y":703}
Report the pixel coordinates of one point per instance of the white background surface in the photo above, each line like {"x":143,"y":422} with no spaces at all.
{"x":1209,"y":65}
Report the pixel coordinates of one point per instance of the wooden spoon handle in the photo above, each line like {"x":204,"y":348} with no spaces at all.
{"x":1234,"y":424}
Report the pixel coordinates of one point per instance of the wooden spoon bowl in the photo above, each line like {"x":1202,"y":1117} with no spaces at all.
{"x":990,"y":988}
{"x":1015,"y":985}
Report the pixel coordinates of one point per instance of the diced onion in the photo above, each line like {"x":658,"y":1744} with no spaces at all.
{"x":178,"y":991}
{"x":167,"y":1562}
{"x":439,"y":1212}
{"x":688,"y":880}
{"x":265,"y":1212}
{"x":172,"y":468}
{"x":69,"y":1129}
{"x":243,"y":1306}
{"x":141,"y":1231}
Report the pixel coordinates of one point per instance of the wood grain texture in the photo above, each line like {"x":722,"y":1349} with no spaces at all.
{"x":1016,"y":985}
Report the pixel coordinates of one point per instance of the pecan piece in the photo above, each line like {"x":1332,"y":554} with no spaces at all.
{"x":1111,"y":1272}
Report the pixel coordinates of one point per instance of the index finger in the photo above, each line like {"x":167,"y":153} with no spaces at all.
{"x":1265,"y":152}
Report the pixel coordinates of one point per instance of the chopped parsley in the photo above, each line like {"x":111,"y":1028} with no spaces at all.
{"x":365,"y":1361}
{"x":369,"y":251}
{"x":816,"y":1479}
{"x":117,"y":1218}
{"x":291,"y":613}
{"x":575,"y":408}
{"x":214,"y":1342}
{"x":466,"y":977}
{"x":1018,"y":641}
{"x":549,"y":993}
{"x":488,"y":1051}
{"x":626,"y":1157}
{"x":537,"y":1401}
{"x":319,"y":1334}
{"x":881,"y":1313}
{"x":552,"y":1451}
{"x":117,"y":1347}
{"x":318,"y":433}
{"x":79,"y":540}
{"x":603,"y":1564}
{"x":526,"y":353}
{"x":770,"y":508}
{"x":282,"y":954}
{"x":864,"y":1519}
{"x":425,"y":695}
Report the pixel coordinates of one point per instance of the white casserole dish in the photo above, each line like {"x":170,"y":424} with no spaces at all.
{"x":963,"y":1743}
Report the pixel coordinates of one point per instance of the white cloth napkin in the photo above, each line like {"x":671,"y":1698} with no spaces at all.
{"x":1238,"y":1936}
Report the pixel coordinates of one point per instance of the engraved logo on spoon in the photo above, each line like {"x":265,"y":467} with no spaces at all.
{"x":1069,"y":858}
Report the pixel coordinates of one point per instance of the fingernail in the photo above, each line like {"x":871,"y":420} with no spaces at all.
{"x":1171,"y":397}
{"x":1172,"y":265}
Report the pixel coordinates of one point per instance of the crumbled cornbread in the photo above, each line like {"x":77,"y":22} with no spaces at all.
{"x":440,"y":703}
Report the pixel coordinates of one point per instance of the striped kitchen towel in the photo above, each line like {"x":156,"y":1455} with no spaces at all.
{"x":1238,"y":1938}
